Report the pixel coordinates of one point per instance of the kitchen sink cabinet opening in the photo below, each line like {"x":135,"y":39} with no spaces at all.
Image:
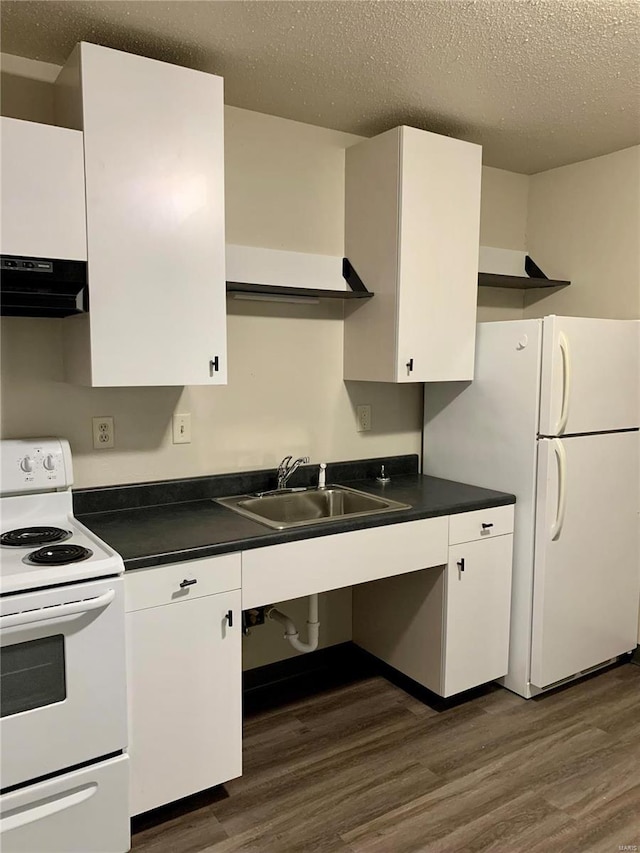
{"x":430,"y":598}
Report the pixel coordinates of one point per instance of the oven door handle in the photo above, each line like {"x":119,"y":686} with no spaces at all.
{"x":57,"y":611}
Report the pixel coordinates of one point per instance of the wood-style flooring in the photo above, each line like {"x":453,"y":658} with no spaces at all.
{"x":367,"y":768}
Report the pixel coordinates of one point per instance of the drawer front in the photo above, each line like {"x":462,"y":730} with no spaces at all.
{"x":295,"y":569}
{"x":176,"y":582}
{"x":481,"y":524}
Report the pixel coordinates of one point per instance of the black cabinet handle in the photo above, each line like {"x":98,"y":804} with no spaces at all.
{"x":410,"y":365}
{"x":460,"y":564}
{"x":185,"y":583}
{"x":486,"y":526}
{"x":214,"y":366}
{"x":229,"y":618}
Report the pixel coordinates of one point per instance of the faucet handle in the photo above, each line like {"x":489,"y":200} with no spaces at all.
{"x":383,"y":478}
{"x":285,"y":463}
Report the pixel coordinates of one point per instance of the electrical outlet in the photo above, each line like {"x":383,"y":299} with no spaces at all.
{"x":103,"y":434}
{"x":182,"y":429}
{"x":363,"y":418}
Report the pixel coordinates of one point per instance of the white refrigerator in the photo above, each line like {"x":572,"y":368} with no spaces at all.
{"x":552,"y":416}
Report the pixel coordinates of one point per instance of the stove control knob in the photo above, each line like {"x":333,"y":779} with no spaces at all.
{"x":27,"y":464}
{"x":49,"y":462}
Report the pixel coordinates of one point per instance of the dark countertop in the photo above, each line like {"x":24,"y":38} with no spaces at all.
{"x":187,"y":530}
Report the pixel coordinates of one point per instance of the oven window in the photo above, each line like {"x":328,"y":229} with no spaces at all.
{"x":32,"y":675}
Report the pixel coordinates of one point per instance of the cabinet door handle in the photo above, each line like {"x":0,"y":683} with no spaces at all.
{"x":410,"y":365}
{"x":186,"y":583}
{"x":214,"y":366}
{"x":229,"y":618}
{"x":460,"y":564}
{"x":486,"y":526}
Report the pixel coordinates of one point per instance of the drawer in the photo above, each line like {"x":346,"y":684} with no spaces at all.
{"x":160,"y":585}
{"x":480,"y":524}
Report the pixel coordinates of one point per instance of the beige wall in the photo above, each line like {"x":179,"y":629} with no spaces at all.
{"x":284,"y":190}
{"x":584,"y":225}
{"x":284,"y":186}
{"x":503,"y":221}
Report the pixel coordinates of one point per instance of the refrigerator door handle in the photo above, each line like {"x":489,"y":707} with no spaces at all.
{"x":561,"y":457}
{"x":566,"y":383}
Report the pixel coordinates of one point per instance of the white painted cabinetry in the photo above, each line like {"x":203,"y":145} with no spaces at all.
{"x":295,"y":569}
{"x":446,"y":627}
{"x":184,"y":670}
{"x":412,"y":222}
{"x":42,"y":191}
{"x":154,"y":170}
{"x":476,"y":606}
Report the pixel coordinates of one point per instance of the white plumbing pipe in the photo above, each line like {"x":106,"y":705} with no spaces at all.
{"x":292,"y":634}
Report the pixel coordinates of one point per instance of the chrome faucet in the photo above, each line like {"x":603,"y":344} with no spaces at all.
{"x":287,"y":468}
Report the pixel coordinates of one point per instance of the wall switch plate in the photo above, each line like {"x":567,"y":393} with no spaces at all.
{"x":182,"y":429}
{"x":103,"y":434}
{"x":363,"y":418}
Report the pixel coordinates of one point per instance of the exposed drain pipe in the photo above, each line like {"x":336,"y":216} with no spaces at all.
{"x":291,"y":633}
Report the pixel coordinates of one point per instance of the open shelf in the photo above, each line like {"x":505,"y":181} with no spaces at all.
{"x":298,"y":292}
{"x":490,"y":279}
{"x":357,"y":289}
{"x":534,"y":278}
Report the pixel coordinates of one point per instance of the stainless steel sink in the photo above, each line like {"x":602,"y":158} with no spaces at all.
{"x":297,"y":507}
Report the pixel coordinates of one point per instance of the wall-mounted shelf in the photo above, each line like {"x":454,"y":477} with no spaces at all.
{"x":534,"y":278}
{"x":297,"y":292}
{"x":273,"y":274}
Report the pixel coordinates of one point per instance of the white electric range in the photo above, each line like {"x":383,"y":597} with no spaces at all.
{"x":63,"y":728}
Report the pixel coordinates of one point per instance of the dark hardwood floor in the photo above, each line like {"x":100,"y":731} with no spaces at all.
{"x":367,"y":768}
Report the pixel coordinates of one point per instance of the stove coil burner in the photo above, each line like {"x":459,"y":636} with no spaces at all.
{"x":58,"y":555}
{"x":27,"y":537}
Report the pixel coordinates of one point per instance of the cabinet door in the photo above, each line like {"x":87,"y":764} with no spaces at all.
{"x":412,"y":224}
{"x":477,"y":608}
{"x":43,"y":212}
{"x":438,"y":262}
{"x":185,"y":695}
{"x":153,"y":143}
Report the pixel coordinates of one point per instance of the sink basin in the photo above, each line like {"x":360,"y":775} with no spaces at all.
{"x":298,"y":507}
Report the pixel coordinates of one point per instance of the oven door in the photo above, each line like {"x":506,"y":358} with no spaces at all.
{"x":63,"y":681}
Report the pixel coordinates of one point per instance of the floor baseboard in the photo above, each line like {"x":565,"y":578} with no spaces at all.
{"x":292,"y":679}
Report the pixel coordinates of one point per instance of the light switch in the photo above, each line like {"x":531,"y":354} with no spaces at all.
{"x":182,"y":429}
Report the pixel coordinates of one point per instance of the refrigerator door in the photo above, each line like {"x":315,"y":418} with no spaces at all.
{"x":587,"y":566}
{"x":590,"y":375}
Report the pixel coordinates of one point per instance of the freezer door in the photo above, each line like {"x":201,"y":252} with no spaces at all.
{"x":590,"y":375}
{"x":587,"y":563}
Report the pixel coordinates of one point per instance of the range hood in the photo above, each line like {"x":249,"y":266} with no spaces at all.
{"x":42,"y":287}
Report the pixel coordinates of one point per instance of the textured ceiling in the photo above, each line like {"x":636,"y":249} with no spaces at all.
{"x":539,"y":83}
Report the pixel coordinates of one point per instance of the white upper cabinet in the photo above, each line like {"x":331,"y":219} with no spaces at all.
{"x":154,"y":172}
{"x":43,"y":212}
{"x":412,"y":223}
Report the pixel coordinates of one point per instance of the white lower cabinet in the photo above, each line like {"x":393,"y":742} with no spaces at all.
{"x":184,"y":667}
{"x":445,"y":627}
{"x":477,"y":604}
